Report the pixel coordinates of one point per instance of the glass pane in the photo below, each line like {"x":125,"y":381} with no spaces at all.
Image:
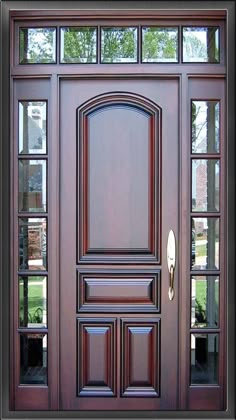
{"x":78,"y":45}
{"x":33,"y":301}
{"x":32,"y":185}
{"x":205,"y":301}
{"x":201,"y":44}
{"x":204,"y":358}
{"x":33,"y":359}
{"x":32,"y":243}
{"x":32,"y":127}
{"x":205,"y":243}
{"x":205,"y":126}
{"x":37,"y":45}
{"x":205,"y":185}
{"x":119,"y":45}
{"x":159,"y":45}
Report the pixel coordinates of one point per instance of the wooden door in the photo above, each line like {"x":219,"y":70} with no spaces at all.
{"x":118,"y":202}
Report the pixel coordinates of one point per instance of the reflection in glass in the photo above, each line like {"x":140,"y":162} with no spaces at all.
{"x":205,"y":301}
{"x":205,"y":126}
{"x":205,"y":243}
{"x":205,"y":185}
{"x":32,"y":185}
{"x":33,"y":359}
{"x":159,"y":45}
{"x":201,"y":44}
{"x":119,"y":45}
{"x":78,"y":45}
{"x":32,"y":127}
{"x":37,"y":45}
{"x":32,"y":243}
{"x":204,"y":358}
{"x":33,"y":301}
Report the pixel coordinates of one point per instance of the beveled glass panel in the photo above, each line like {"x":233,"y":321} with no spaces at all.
{"x":32,"y":243}
{"x":37,"y":45}
{"x":205,"y":126}
{"x":205,"y":243}
{"x":159,"y":45}
{"x":78,"y":45}
{"x":205,"y":184}
{"x":205,"y":301}
{"x":201,"y":44}
{"x":119,"y":45}
{"x":32,"y":127}
{"x":33,"y":301}
{"x":32,"y":185}
{"x":33,"y":359}
{"x":205,"y":359}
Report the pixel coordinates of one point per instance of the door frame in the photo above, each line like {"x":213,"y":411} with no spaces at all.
{"x":230,"y":206}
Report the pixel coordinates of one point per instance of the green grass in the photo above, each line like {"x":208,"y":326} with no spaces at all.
{"x":35,"y":299}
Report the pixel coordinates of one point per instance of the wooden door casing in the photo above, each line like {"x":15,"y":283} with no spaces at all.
{"x":119,"y":331}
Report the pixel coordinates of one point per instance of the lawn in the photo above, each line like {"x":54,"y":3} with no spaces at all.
{"x":36,"y":299}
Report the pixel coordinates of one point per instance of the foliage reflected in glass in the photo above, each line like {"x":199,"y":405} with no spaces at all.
{"x":205,"y":127}
{"x":33,"y":301}
{"x":33,"y":359}
{"x":205,"y":243}
{"x":37,"y":45}
{"x":205,"y":301}
{"x":159,"y":45}
{"x":204,"y":359}
{"x":205,"y":184}
{"x":32,"y":127}
{"x":32,"y":243}
{"x":78,"y":45}
{"x":119,"y":45}
{"x":201,"y":44}
{"x":32,"y":185}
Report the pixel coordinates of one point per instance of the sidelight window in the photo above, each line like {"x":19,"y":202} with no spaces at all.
{"x":205,"y":242}
{"x":32,"y":241}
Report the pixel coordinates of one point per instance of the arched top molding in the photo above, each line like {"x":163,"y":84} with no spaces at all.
{"x":126,"y":99}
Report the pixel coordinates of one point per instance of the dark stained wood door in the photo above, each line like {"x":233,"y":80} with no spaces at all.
{"x":118,"y":202}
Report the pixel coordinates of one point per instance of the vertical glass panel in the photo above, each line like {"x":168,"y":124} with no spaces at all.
{"x":201,"y":44}
{"x":32,"y":127}
{"x":204,"y":358}
{"x":78,"y":45}
{"x":205,"y":301}
{"x":205,"y":243}
{"x":159,"y":45}
{"x":205,"y":184}
{"x":119,"y":45}
{"x":33,"y":359}
{"x":32,"y":185}
{"x":32,"y":243}
{"x":205,"y":126}
{"x":33,"y":301}
{"x":37,"y":45}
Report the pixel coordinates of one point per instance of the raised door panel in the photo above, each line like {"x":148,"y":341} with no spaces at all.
{"x":96,"y":357}
{"x":118,"y":176}
{"x":140,"y":357}
{"x":118,"y":290}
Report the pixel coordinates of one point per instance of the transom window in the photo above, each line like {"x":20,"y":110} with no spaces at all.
{"x":119,"y":44}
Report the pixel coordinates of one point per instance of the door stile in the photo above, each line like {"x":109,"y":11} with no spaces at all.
{"x":53,"y":248}
{"x":184,"y":289}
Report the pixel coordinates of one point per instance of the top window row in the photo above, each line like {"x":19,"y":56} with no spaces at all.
{"x":120,"y":45}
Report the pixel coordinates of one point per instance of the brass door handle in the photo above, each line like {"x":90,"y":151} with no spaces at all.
{"x":171,"y":261}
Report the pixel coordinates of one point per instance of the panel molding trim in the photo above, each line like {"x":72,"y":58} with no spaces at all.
{"x":142,"y":243}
